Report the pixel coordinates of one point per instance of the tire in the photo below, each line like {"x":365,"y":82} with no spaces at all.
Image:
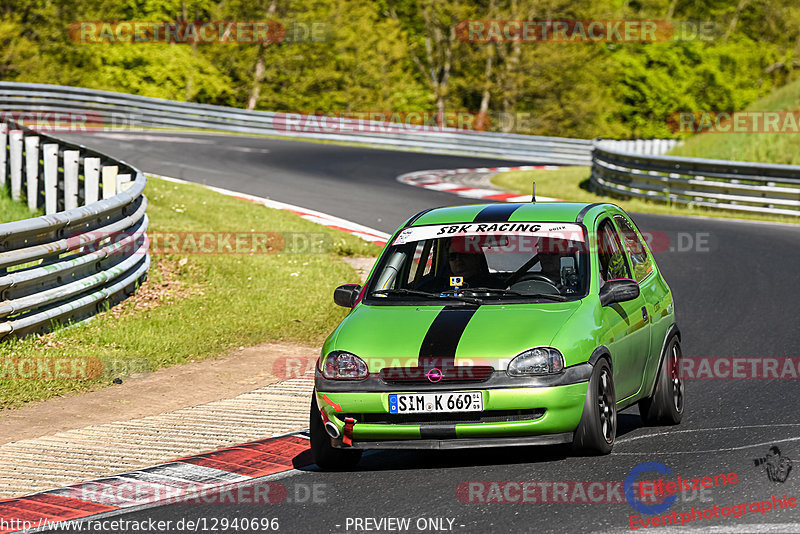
{"x":666,"y":405}
{"x":326,"y":456}
{"x":598,"y":427}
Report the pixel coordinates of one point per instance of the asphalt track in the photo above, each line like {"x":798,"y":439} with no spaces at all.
{"x":736,"y":292}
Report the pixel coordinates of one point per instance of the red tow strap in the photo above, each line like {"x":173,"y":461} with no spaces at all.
{"x":347,"y":433}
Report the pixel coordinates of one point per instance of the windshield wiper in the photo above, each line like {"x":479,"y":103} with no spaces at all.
{"x":415,"y":292}
{"x":559,"y":298}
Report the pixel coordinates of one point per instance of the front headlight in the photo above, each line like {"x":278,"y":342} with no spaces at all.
{"x":537,"y":361}
{"x":341,"y":365}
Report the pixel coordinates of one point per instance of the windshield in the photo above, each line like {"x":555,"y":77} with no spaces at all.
{"x":484,"y":262}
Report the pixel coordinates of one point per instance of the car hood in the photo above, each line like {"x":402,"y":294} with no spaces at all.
{"x":398,"y":336}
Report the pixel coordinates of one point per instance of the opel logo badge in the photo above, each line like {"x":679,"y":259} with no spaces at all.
{"x":434,"y":375}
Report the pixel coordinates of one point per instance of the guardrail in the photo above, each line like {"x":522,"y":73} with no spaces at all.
{"x":720,"y":184}
{"x":129,"y":110}
{"x":88,"y":251}
{"x":125,"y":111}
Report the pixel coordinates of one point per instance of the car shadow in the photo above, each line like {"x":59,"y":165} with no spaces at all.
{"x":393,"y":460}
{"x":627,"y":423}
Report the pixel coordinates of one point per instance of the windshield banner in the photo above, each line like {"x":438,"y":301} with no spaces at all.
{"x":499,"y":233}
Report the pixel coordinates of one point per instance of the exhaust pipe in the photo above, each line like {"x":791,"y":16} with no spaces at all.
{"x":332,"y":430}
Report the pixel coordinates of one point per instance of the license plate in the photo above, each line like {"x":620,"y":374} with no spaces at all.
{"x":466,"y":401}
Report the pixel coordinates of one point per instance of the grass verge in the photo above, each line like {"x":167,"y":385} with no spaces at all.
{"x":571,"y":183}
{"x":195,"y":306}
{"x":761,"y":147}
{"x":11,"y":210}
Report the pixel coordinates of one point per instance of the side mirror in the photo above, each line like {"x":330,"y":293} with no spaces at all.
{"x":346,"y":295}
{"x":619,"y":290}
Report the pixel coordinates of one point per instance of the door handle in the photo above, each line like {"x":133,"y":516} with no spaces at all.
{"x":644,"y":313}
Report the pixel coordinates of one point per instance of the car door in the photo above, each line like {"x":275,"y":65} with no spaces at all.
{"x":627,"y":323}
{"x":652,"y":287}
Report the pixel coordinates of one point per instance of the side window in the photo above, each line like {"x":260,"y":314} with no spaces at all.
{"x":612,"y":259}
{"x":642,"y":266}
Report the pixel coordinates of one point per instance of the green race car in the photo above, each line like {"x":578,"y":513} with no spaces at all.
{"x":499,"y":324}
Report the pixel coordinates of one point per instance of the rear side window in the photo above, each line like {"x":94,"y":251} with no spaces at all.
{"x":642,"y":266}
{"x":612,"y":259}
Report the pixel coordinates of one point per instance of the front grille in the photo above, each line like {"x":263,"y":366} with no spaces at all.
{"x":420,"y":375}
{"x":490,"y":416}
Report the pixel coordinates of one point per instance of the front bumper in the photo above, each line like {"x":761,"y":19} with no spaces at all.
{"x":465,"y":443}
{"x":554,"y":414}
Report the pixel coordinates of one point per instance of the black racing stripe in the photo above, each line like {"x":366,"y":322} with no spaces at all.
{"x":437,"y":431}
{"x":439,"y":346}
{"x":496,"y":212}
{"x":583,"y":212}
